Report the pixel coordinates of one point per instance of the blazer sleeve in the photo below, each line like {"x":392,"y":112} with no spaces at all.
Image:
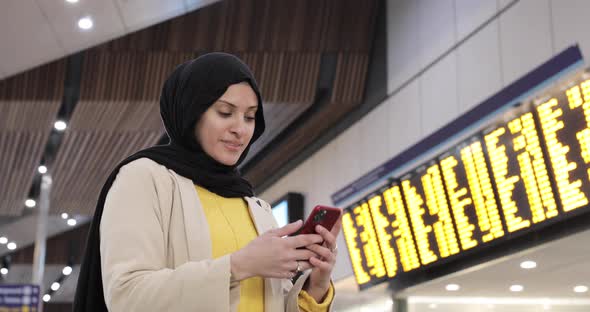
{"x":133,"y":255}
{"x":292,"y":297}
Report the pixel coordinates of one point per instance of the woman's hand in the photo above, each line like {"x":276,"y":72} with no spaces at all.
{"x":271,"y":255}
{"x":318,"y":283}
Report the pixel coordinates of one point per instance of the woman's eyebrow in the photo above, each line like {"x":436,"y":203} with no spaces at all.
{"x":235,"y":106}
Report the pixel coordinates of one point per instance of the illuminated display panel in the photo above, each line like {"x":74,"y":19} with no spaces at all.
{"x":363,"y":246}
{"x":520,"y":173}
{"x":503,"y":185}
{"x":430,"y":214}
{"x":471,"y":195}
{"x":393,"y":231}
{"x":565,"y":123}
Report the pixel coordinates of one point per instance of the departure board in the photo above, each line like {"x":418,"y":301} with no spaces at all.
{"x":520,"y":173}
{"x":430,"y":214}
{"x":565,"y":123}
{"x":361,"y":239}
{"x":524,"y":170}
{"x":471,"y":196}
{"x":393,"y":231}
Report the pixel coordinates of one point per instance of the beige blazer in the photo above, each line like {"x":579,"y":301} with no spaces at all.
{"x":156,"y":250}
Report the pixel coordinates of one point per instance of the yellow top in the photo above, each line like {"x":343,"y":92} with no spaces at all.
{"x":231,"y":229}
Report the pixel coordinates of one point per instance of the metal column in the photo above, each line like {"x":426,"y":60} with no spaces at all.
{"x":41,"y":237}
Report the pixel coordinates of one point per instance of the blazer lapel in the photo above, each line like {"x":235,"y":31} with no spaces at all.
{"x":261,"y":215}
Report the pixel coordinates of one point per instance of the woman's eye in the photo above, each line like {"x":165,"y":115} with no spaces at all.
{"x":250,"y":118}
{"x":224,"y":114}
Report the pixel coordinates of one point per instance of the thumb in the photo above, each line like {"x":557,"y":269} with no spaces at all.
{"x":287,"y":229}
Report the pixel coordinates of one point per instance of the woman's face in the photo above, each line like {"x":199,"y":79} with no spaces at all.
{"x":227,"y":126}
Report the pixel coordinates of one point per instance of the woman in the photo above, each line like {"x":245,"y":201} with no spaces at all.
{"x":176,"y":227}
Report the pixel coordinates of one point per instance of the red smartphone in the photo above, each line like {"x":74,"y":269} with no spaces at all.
{"x":322,"y":215}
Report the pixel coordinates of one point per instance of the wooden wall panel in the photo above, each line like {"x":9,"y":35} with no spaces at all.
{"x":62,"y":248}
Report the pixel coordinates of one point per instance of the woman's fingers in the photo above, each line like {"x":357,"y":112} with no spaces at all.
{"x":329,"y":237}
{"x":303,"y":240}
{"x":324,"y":253}
{"x":323,"y":266}
{"x":304,"y":254}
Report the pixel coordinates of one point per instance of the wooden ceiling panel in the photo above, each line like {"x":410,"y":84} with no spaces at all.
{"x":133,"y":75}
{"x":260,"y":26}
{"x":20,"y":154}
{"x":347,"y":94}
{"x":351,"y":72}
{"x":43,"y":83}
{"x":29,"y":103}
{"x":84,"y":162}
{"x":285,"y":77}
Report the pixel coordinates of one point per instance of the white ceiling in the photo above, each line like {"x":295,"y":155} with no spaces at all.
{"x":35,"y":32}
{"x":561,"y":265}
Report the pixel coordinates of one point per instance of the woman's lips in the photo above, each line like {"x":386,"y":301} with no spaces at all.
{"x":232,"y":146}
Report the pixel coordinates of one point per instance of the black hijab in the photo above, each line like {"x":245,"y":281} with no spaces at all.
{"x":189,"y":91}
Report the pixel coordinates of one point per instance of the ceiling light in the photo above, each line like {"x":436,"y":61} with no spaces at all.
{"x":85,"y":23}
{"x":67,"y":270}
{"x":42,"y":169}
{"x":46,"y":297}
{"x":55,"y":286}
{"x":516,"y":288}
{"x":11,"y":246}
{"x":3,"y":240}
{"x":452,"y":287}
{"x":72,"y":222}
{"x":30,"y":203}
{"x":581,"y":289}
{"x":72,"y":1}
{"x":60,"y":125}
{"x":4,"y":271}
{"x":528,"y":264}
{"x":432,"y":306}
{"x":64,"y":216}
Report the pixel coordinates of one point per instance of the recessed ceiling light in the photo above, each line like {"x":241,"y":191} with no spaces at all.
{"x":60,"y":125}
{"x":516,"y":288}
{"x":3,"y":240}
{"x":581,"y":289}
{"x":72,"y":1}
{"x":64,"y":216}
{"x":46,"y":297}
{"x":42,"y":169}
{"x":11,"y":246}
{"x":55,"y":286}
{"x":85,"y":23}
{"x":30,"y":203}
{"x":72,"y":222}
{"x":528,"y":264}
{"x":4,"y":271}
{"x":67,"y":270}
{"x":452,"y":287}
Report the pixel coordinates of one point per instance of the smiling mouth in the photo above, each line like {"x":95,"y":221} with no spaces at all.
{"x":232,"y":146}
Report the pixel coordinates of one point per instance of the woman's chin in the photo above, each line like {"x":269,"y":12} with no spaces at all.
{"x":227,"y":160}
